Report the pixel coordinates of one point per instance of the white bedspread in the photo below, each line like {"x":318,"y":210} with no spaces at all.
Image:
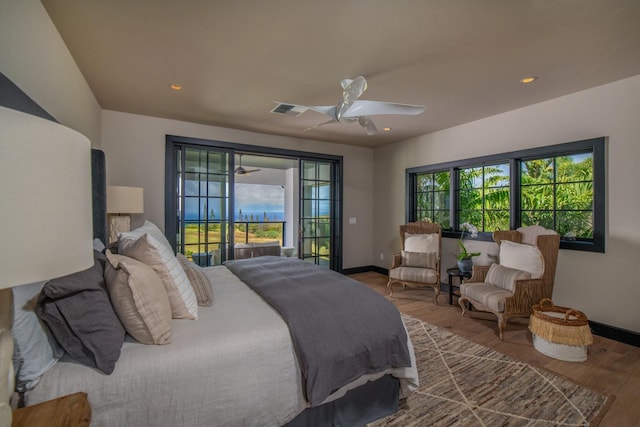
{"x":235,"y":365}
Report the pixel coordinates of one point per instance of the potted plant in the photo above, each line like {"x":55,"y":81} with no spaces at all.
{"x":464,"y":258}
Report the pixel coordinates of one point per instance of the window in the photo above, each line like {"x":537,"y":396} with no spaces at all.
{"x":559,"y":187}
{"x":557,"y":193}
{"x":432,"y":197}
{"x":483,"y":197}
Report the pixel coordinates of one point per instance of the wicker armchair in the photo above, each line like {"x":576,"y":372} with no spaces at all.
{"x":419,"y":263}
{"x":507,"y":291}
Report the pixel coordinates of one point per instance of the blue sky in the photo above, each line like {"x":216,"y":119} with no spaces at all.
{"x":259,"y":198}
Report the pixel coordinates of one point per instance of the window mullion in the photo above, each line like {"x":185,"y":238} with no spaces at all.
{"x":515,"y":194}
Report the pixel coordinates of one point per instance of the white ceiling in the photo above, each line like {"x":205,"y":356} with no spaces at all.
{"x":463,"y":59}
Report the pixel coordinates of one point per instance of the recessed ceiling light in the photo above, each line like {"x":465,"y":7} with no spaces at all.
{"x":529,"y":79}
{"x":386,"y":129}
{"x":175,"y":86}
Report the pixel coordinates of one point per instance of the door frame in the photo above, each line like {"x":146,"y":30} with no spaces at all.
{"x":172,"y":140}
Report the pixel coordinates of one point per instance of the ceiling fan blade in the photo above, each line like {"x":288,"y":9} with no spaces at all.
{"x":368,"y":125}
{"x":372,"y":108}
{"x":329,"y":110}
{"x":242,"y":171}
{"x":351,"y":91}
{"x":321,"y":124}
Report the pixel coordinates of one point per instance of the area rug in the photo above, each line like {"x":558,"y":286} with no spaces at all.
{"x":467,"y":384}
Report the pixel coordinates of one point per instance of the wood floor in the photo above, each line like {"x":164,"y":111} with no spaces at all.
{"x":611,"y":367}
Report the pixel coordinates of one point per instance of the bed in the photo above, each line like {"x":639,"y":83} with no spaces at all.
{"x":235,"y":365}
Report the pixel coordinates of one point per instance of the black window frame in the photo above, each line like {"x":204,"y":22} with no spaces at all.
{"x":171,"y":141}
{"x":594,"y":145}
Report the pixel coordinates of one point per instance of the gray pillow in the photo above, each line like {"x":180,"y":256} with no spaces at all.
{"x":78,"y":312}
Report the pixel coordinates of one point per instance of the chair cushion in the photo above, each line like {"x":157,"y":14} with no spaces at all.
{"x":505,"y":277}
{"x":421,"y":242}
{"x":486,"y":294}
{"x":412,"y":274}
{"x":522,"y":257}
{"x":419,"y":259}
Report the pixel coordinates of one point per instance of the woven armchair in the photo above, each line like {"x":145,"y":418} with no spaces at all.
{"x":506,"y":291}
{"x":422,"y":268}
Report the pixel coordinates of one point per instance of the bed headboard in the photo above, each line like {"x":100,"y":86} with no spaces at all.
{"x":11,"y":96}
{"x":99,"y":195}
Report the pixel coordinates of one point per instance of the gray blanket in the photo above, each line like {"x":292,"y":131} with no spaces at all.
{"x":340,"y":328}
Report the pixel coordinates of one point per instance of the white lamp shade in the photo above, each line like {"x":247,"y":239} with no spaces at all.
{"x":45,"y":199}
{"x":125,"y":200}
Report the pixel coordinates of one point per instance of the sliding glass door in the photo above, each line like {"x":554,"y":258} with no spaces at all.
{"x":319,"y":223}
{"x":200,"y":201}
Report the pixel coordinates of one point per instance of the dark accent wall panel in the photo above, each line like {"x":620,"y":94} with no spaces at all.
{"x":11,"y":96}
{"x":99,"y":193}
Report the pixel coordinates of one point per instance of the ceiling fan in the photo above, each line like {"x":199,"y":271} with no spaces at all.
{"x":351,"y":109}
{"x":242,"y":171}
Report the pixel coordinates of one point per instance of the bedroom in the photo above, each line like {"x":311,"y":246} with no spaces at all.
{"x":35,"y":57}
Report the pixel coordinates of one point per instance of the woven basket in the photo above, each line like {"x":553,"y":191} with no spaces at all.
{"x":560,"y":325}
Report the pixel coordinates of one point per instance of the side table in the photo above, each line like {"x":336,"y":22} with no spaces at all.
{"x":72,"y":410}
{"x":455,"y":272}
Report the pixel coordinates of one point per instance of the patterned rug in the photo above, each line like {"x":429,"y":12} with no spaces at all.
{"x":466,"y":384}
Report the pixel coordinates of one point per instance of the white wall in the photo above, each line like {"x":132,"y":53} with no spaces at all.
{"x":604,"y":286}
{"x":34,"y":57}
{"x":135,"y":146}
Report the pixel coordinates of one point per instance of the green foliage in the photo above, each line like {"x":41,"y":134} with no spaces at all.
{"x":556,"y":193}
{"x":571,"y":194}
{"x":463,"y":252}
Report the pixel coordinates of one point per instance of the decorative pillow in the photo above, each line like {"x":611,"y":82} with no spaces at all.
{"x":139,"y":299}
{"x":419,"y":259}
{"x":522,"y":257}
{"x":78,"y":312}
{"x":421,"y":243}
{"x":35,"y":350}
{"x":148,"y":250}
{"x":98,"y":245}
{"x":505,"y":277}
{"x":199,"y":281}
{"x":147,"y":228}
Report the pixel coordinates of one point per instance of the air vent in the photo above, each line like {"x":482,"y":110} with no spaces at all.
{"x":289,"y":109}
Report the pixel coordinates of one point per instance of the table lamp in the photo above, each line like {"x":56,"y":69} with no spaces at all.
{"x":45,"y":216}
{"x":122,"y":201}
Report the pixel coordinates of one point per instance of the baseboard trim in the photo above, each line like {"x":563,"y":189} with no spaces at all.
{"x":365,"y":269}
{"x":600,"y":329}
{"x":616,"y":334}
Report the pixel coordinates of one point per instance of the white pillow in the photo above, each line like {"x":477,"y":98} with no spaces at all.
{"x":421,"y":243}
{"x":35,"y":350}
{"x":522,"y":257}
{"x":147,"y":228}
{"x":148,"y":250}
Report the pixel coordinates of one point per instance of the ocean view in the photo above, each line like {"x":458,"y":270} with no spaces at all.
{"x":246,"y":216}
